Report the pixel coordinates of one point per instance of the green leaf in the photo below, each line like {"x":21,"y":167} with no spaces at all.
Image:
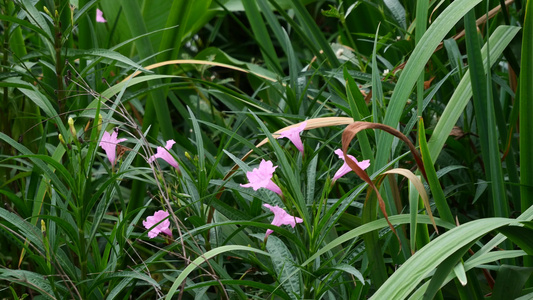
{"x":441,"y":273}
{"x":283,"y":262}
{"x":510,"y":281}
{"x":36,"y":282}
{"x":526,"y":112}
{"x":433,"y":181}
{"x":105,"y":53}
{"x":415,"y":65}
{"x":417,"y":267}
{"x":499,"y":40}
{"x":522,"y":236}
{"x":203,"y":258}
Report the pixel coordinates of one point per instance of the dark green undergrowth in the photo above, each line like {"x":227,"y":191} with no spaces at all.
{"x":269,"y":149}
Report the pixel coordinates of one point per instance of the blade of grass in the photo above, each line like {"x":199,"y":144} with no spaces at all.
{"x":421,"y":26}
{"x":526,"y":119}
{"x":485,"y":118}
{"x":262,"y":36}
{"x":356,"y":101}
{"x":423,"y":51}
{"x":203,"y":258}
{"x":415,"y":269}
{"x":500,"y":38}
{"x":157,"y":112}
{"x":313,"y":32}
{"x":433,"y":181}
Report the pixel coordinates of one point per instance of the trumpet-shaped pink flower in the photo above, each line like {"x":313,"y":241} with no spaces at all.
{"x":161,"y":227}
{"x":109,"y":144}
{"x":165,"y":155}
{"x":345,"y":168}
{"x":262,"y":177}
{"x":100,"y":16}
{"x":281,"y":217}
{"x":293,"y":134}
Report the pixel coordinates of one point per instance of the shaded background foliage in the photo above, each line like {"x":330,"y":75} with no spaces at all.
{"x":220,"y":76}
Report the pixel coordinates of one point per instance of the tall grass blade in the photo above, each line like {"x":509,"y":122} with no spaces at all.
{"x":203,"y":258}
{"x":416,"y":268}
{"x":526,"y":111}
{"x":423,"y":51}
{"x":485,"y":118}
{"x":526,"y":119}
{"x":433,"y":181}
{"x":262,"y":36}
{"x":499,"y":40}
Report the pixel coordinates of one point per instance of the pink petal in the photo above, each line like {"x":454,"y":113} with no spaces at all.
{"x":345,"y":168}
{"x":100,"y":16}
{"x":109,"y":144}
{"x":165,"y":155}
{"x":293,"y":134}
{"x":261,"y":177}
{"x":281,"y":217}
{"x":161,"y":227}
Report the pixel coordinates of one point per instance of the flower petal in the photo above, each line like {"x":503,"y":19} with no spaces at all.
{"x":109,"y":144}
{"x":345,"y":168}
{"x":100,"y":16}
{"x":261,"y":177}
{"x":163,"y":226}
{"x":164,"y":154}
{"x":281,"y":217}
{"x":293,"y":134}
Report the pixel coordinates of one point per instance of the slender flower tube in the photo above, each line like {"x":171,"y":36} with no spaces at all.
{"x":165,"y":155}
{"x":293,"y":134}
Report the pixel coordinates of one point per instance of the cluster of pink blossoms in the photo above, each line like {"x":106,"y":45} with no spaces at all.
{"x":160,"y":220}
{"x":261,"y":177}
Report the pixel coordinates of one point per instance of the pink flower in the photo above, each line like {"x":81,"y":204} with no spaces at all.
{"x":163,"y":227}
{"x":109,"y":144}
{"x":165,"y":155}
{"x":345,"y":168}
{"x":293,"y":134}
{"x":262,"y":177}
{"x":281,"y":217}
{"x":100,"y":16}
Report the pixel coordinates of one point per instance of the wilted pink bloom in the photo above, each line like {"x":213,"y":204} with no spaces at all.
{"x":281,"y":217}
{"x":293,"y":134}
{"x":165,"y":155}
{"x":100,"y":16}
{"x":161,"y":227}
{"x":262,"y":177}
{"x":345,"y":168}
{"x":109,"y":144}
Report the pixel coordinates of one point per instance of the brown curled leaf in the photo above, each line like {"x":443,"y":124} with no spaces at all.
{"x":347,"y":136}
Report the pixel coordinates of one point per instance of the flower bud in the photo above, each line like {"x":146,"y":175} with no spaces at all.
{"x":71,"y":125}
{"x":47,"y":11}
{"x":60,"y":136}
{"x":43,"y":226}
{"x":99,"y":122}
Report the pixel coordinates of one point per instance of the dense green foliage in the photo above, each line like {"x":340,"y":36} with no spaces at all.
{"x":96,"y":203}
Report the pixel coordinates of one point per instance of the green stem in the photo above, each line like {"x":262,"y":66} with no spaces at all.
{"x":59,"y":64}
